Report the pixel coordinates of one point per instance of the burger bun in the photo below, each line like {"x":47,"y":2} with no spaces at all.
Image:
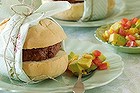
{"x":49,"y":68}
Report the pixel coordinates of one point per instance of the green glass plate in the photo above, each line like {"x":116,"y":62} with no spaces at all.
{"x":98,"y":36}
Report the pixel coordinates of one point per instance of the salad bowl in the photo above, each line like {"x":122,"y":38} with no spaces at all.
{"x":99,"y":36}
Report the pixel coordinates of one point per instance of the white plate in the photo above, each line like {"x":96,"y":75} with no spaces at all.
{"x":124,"y":8}
{"x":99,"y":78}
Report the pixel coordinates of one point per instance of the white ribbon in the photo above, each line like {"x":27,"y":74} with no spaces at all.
{"x":95,"y":9}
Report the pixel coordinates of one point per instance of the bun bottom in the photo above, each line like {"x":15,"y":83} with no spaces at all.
{"x":49,"y":68}
{"x":74,"y":13}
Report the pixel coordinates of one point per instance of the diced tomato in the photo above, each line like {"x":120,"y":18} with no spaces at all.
{"x":122,"y":32}
{"x":97,"y":61}
{"x":129,"y":23}
{"x":131,"y":43}
{"x":103,"y":66}
{"x":125,"y":26}
{"x":131,"y":37}
{"x":134,"y":20}
{"x":124,"y":20}
{"x":96,"y":53}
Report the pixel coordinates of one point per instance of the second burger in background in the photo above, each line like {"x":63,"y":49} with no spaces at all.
{"x":87,"y":10}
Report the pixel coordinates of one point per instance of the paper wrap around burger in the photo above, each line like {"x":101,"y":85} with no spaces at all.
{"x":95,"y":9}
{"x":87,"y":10}
{"x":12,"y":37}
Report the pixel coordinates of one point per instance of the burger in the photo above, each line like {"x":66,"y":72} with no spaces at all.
{"x":78,"y":8}
{"x":42,"y":54}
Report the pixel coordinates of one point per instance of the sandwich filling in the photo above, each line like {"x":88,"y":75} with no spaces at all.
{"x":39,"y":54}
{"x":72,"y":1}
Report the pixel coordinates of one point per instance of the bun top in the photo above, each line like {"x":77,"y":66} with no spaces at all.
{"x":45,"y":33}
{"x":111,"y":5}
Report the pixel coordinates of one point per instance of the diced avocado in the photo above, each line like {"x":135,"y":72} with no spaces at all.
{"x":138,"y":22}
{"x":115,"y":27}
{"x":138,"y":42}
{"x":133,"y":26}
{"x":75,"y":67}
{"x":117,"y":39}
{"x":105,"y":35}
{"x":137,"y":36}
{"x":93,"y":67}
{"x":102,"y":57}
{"x":72,"y":56}
{"x":85,"y":62}
{"x":132,"y":31}
{"x":138,"y":25}
{"x":89,"y":56}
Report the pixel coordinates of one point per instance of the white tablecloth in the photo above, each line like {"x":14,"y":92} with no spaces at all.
{"x":127,"y":82}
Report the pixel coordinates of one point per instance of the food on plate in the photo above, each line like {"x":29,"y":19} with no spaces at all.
{"x":87,"y":62}
{"x":124,"y":33}
{"x":42,"y":53}
{"x":86,"y":10}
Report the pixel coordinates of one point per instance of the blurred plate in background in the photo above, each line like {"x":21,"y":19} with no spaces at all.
{"x":124,"y":8}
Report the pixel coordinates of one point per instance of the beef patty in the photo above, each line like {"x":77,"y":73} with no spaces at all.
{"x":71,"y":1}
{"x":39,"y":54}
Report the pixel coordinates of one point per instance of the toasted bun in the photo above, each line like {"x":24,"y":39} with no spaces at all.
{"x":77,"y":10}
{"x":74,"y":13}
{"x":50,"y":68}
{"x":111,"y":5}
{"x":45,"y":33}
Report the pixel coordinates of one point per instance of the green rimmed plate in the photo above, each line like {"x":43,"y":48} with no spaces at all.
{"x":124,"y":49}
